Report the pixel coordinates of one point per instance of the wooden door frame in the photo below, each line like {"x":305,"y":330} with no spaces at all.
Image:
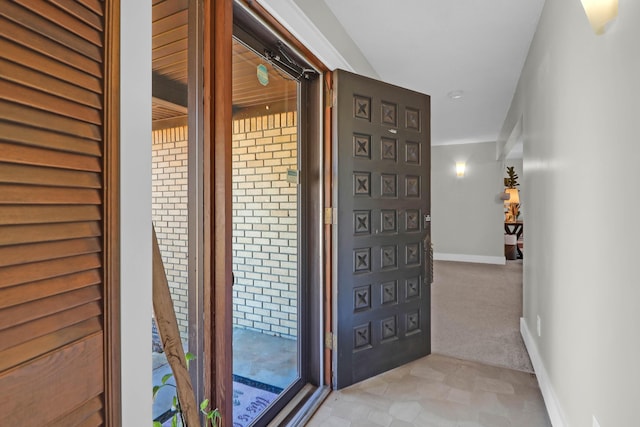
{"x":111,"y":216}
{"x":217,"y":293}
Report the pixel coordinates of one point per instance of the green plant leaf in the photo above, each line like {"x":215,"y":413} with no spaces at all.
{"x":174,"y":421}
{"x":188,"y":358}
{"x":166,"y":378}
{"x":157,"y":424}
{"x":156,"y":389}
{"x":203,"y":405}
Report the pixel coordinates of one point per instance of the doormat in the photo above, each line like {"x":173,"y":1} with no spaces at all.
{"x":250,"y":399}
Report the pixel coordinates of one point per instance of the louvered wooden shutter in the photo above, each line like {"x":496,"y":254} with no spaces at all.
{"x":52,"y":225}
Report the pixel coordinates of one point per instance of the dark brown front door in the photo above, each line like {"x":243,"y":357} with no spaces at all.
{"x":382,"y":161}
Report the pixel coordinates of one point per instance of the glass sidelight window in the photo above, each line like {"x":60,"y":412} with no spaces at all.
{"x":265,"y":233}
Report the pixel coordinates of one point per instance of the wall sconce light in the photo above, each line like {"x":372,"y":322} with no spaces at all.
{"x":600,"y":13}
{"x":460,"y":167}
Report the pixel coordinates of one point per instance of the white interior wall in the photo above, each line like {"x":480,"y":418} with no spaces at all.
{"x":467,"y":214}
{"x":135,"y":212}
{"x":579,"y":97}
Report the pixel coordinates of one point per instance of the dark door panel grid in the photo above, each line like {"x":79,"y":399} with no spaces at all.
{"x":382,"y":160}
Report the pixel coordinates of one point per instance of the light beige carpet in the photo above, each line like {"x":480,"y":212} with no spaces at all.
{"x":475,"y":313}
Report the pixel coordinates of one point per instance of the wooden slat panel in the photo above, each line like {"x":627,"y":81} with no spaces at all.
{"x":20,"y":234}
{"x":14,"y":194}
{"x":45,"y":307}
{"x":46,"y":288}
{"x":49,"y":29}
{"x":52,"y":279}
{"x":13,"y":173}
{"x":49,"y":66}
{"x":14,"y":153}
{"x":92,"y":18}
{"x":42,"y":345}
{"x":43,"y":101}
{"x":25,"y":273}
{"x":20,"y":334}
{"x":12,"y":132}
{"x":20,"y":254}
{"x":79,"y":415}
{"x":94,"y":5}
{"x":35,"y":214}
{"x":45,"y":120}
{"x":38,"y":43}
{"x":69,"y":22}
{"x":70,"y":376}
{"x":36,"y":80}
{"x":94,"y":420}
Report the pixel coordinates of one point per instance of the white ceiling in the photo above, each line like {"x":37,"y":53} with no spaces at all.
{"x":430,"y":46}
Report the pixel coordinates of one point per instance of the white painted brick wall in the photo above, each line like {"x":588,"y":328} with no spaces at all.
{"x":265,"y":224}
{"x":169,"y":213}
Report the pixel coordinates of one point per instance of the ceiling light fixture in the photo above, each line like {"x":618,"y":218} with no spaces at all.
{"x":600,"y":13}
{"x":455,"y":94}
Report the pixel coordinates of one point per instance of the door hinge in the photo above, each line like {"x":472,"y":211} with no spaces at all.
{"x":329,"y":216}
{"x":330,"y":341}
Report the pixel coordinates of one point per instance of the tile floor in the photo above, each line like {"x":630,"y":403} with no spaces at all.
{"x":265,"y":358}
{"x":437,"y":391}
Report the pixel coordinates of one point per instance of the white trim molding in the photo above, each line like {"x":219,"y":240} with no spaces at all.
{"x":480,"y":259}
{"x":289,"y":14}
{"x":556,"y":415}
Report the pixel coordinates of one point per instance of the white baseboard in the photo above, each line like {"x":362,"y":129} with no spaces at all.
{"x":480,"y":259}
{"x":556,"y":415}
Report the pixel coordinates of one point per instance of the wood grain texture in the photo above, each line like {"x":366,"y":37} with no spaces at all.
{"x":111,"y":215}
{"x":22,"y":154}
{"x":40,"y":195}
{"x":34,"y":175}
{"x":43,"y":101}
{"x":39,"y":43}
{"x":16,"y":295}
{"x":68,"y":17}
{"x":25,"y":385}
{"x":48,"y":306}
{"x":36,"y":80}
{"x":32,"y":214}
{"x":49,"y":66}
{"x":58,"y":276}
{"x":25,"y":273}
{"x":22,"y":254}
{"x":218,"y":36}
{"x":85,"y":14}
{"x":165,"y":317}
{"x":95,"y":6}
{"x":81,"y":414}
{"x":32,"y":117}
{"x":20,"y":334}
{"x":49,"y":26}
{"x":40,"y":346}
{"x":20,"y":234}
{"x":11,"y":132}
